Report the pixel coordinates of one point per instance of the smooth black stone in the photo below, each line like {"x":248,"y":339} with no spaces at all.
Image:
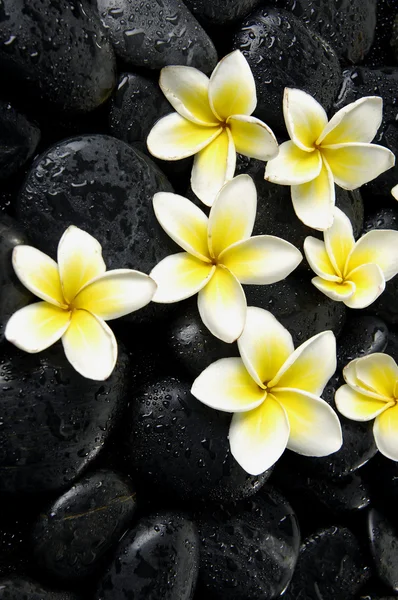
{"x":72,"y":536}
{"x":56,"y":53}
{"x":13,"y":295}
{"x":383,"y":538}
{"x":54,"y":422}
{"x":331,"y":566}
{"x":158,"y":559}
{"x":248,"y":551}
{"x":384,"y":218}
{"x":18,"y":588}
{"x":18,"y":140}
{"x":381,"y":52}
{"x":282,"y":52}
{"x":362,"y":335}
{"x":384,"y":482}
{"x":394,"y":38}
{"x":157,"y":34}
{"x":221,"y":12}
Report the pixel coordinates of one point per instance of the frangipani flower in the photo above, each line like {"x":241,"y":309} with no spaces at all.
{"x":78,"y":297}
{"x":212,"y":122}
{"x":349,"y":272}
{"x":394,"y":191}
{"x":322,"y":153}
{"x":219,"y":255}
{"x":371,"y":392}
{"x":273,"y":391}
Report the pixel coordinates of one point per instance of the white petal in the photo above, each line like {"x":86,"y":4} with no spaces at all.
{"x":293,"y":166}
{"x":394,"y":191}
{"x":356,"y":122}
{"x":313,"y":202}
{"x":378,"y":372}
{"x":259,"y":437}
{"x":339,"y":241}
{"x":318,"y":259}
{"x":38,"y":273}
{"x":252,"y":137}
{"x":180,"y":276}
{"x":369,"y":284}
{"x":350,"y":376}
{"x":356,"y":406}
{"x":379,"y":246}
{"x":226,"y":385}
{"x":385,"y":431}
{"x":339,"y":291}
{"x":305,"y":118}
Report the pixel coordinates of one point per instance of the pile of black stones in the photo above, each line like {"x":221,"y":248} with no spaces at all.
{"x":126,"y":489}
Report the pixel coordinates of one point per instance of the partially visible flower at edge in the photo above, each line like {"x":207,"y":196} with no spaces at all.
{"x":321,"y":153}
{"x":273,"y":391}
{"x":78,"y":297}
{"x":212,"y":122}
{"x":394,"y":191}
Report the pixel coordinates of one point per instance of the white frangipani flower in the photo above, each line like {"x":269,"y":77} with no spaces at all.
{"x":78,"y":297}
{"x":273,"y":391}
{"x":321,"y":153}
{"x":219,"y":255}
{"x":213,"y":122}
{"x":349,"y":272}
{"x":394,"y":191}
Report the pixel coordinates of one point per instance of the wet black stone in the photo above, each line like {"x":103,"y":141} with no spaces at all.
{"x":283,"y":52}
{"x":384,"y":482}
{"x":331,"y":566}
{"x":55,"y":53}
{"x":54,"y":422}
{"x":18,"y":588}
{"x":381,"y":52}
{"x":18,"y":139}
{"x":361,"y":335}
{"x":249,"y":550}
{"x":156,"y":34}
{"x":384,"y":218}
{"x":394,"y":38}
{"x":72,"y":536}
{"x":158,"y":559}
{"x":221,"y":12}
{"x":383,"y":538}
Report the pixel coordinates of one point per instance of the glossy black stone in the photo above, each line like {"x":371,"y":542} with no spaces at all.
{"x":18,"y":139}
{"x":54,"y":422}
{"x":57,"y":53}
{"x":361,"y":335}
{"x":158,"y":559}
{"x":383,"y":537}
{"x":72,"y":536}
{"x":157,"y":34}
{"x":221,"y":12}
{"x":283,"y":52}
{"x":381,"y":52}
{"x":18,"y":588}
{"x":383,"y":218}
{"x":249,"y":550}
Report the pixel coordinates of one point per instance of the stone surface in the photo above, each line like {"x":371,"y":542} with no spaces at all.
{"x":18,"y":588}
{"x":383,"y":538}
{"x":362,"y":335}
{"x":220,"y":12}
{"x":18,"y":139}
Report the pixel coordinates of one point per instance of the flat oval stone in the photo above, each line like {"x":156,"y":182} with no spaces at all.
{"x":383,"y":537}
{"x":157,"y":34}
{"x":362,"y":335}
{"x":73,"y":535}
{"x":18,"y":140}
{"x":158,"y":559}
{"x":56,"y":53}
{"x":54,"y":422}
{"x":25,"y":589}
{"x":221,"y":12}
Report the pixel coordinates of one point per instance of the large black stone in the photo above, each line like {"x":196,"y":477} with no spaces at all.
{"x":18,"y":588}
{"x":18,"y":139}
{"x":362,"y":335}
{"x":383,"y":537}
{"x":221,"y":12}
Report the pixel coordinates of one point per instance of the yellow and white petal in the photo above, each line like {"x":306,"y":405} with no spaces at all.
{"x":293,"y":165}
{"x":213,"y":167}
{"x":304,"y":370}
{"x":174,"y":137}
{"x":396,"y":389}
{"x":305,"y":118}
{"x":369,"y":283}
{"x":90,"y":346}
{"x":262,"y":259}
{"x":355,"y":164}
{"x":318,"y":259}
{"x":378,"y":372}
{"x":339,"y":291}
{"x":350,"y":376}
{"x":232,"y":90}
{"x":385,"y":431}
{"x":79,"y":260}
{"x":180,"y":276}
{"x":184,"y":222}
{"x":379,"y":246}
{"x":259,"y":437}
{"x":116,"y":293}
{"x":264,"y":345}
{"x":222,"y":305}
{"x":315,"y":428}
{"x":394,"y":192}
{"x":356,"y":122}
{"x":339,"y":241}
{"x":313,"y":202}
{"x":356,"y":406}
{"x":226,"y":385}
{"x":37,"y":326}
{"x":187,"y":90}
{"x":252,"y":137}
{"x":233,"y":214}
{"x":38,"y":273}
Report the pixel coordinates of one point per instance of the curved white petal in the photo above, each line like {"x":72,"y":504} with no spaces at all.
{"x":180,"y":276}
{"x":232,"y":90}
{"x":356,"y":406}
{"x":38,"y":273}
{"x":350,"y":376}
{"x":305,"y":118}
{"x":222,"y":306}
{"x":369,"y":283}
{"x":313,"y":202}
{"x":184,"y":222}
{"x":226,"y":385}
{"x":394,"y":192}
{"x":264,"y":345}
{"x":356,"y":122}
{"x":318,"y":259}
{"x":259,"y":437}
{"x":233,"y":214}
{"x":339,"y":241}
{"x":262,"y":259}
{"x":334,"y":290}
{"x":252,"y":137}
{"x":378,"y":372}
{"x":379,"y":246}
{"x":385,"y":431}
{"x":293,"y":166}
{"x":37,"y":326}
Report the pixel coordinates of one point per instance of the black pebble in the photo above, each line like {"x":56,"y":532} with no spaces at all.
{"x":361,"y":335}
{"x":18,"y":140}
{"x":383,"y":537}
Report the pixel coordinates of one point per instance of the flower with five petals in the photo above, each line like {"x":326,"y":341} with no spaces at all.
{"x":219,"y":255}
{"x":273,"y":391}
{"x":321,"y":153}
{"x":213,"y":121}
{"x":78,"y":296}
{"x":349,"y":272}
